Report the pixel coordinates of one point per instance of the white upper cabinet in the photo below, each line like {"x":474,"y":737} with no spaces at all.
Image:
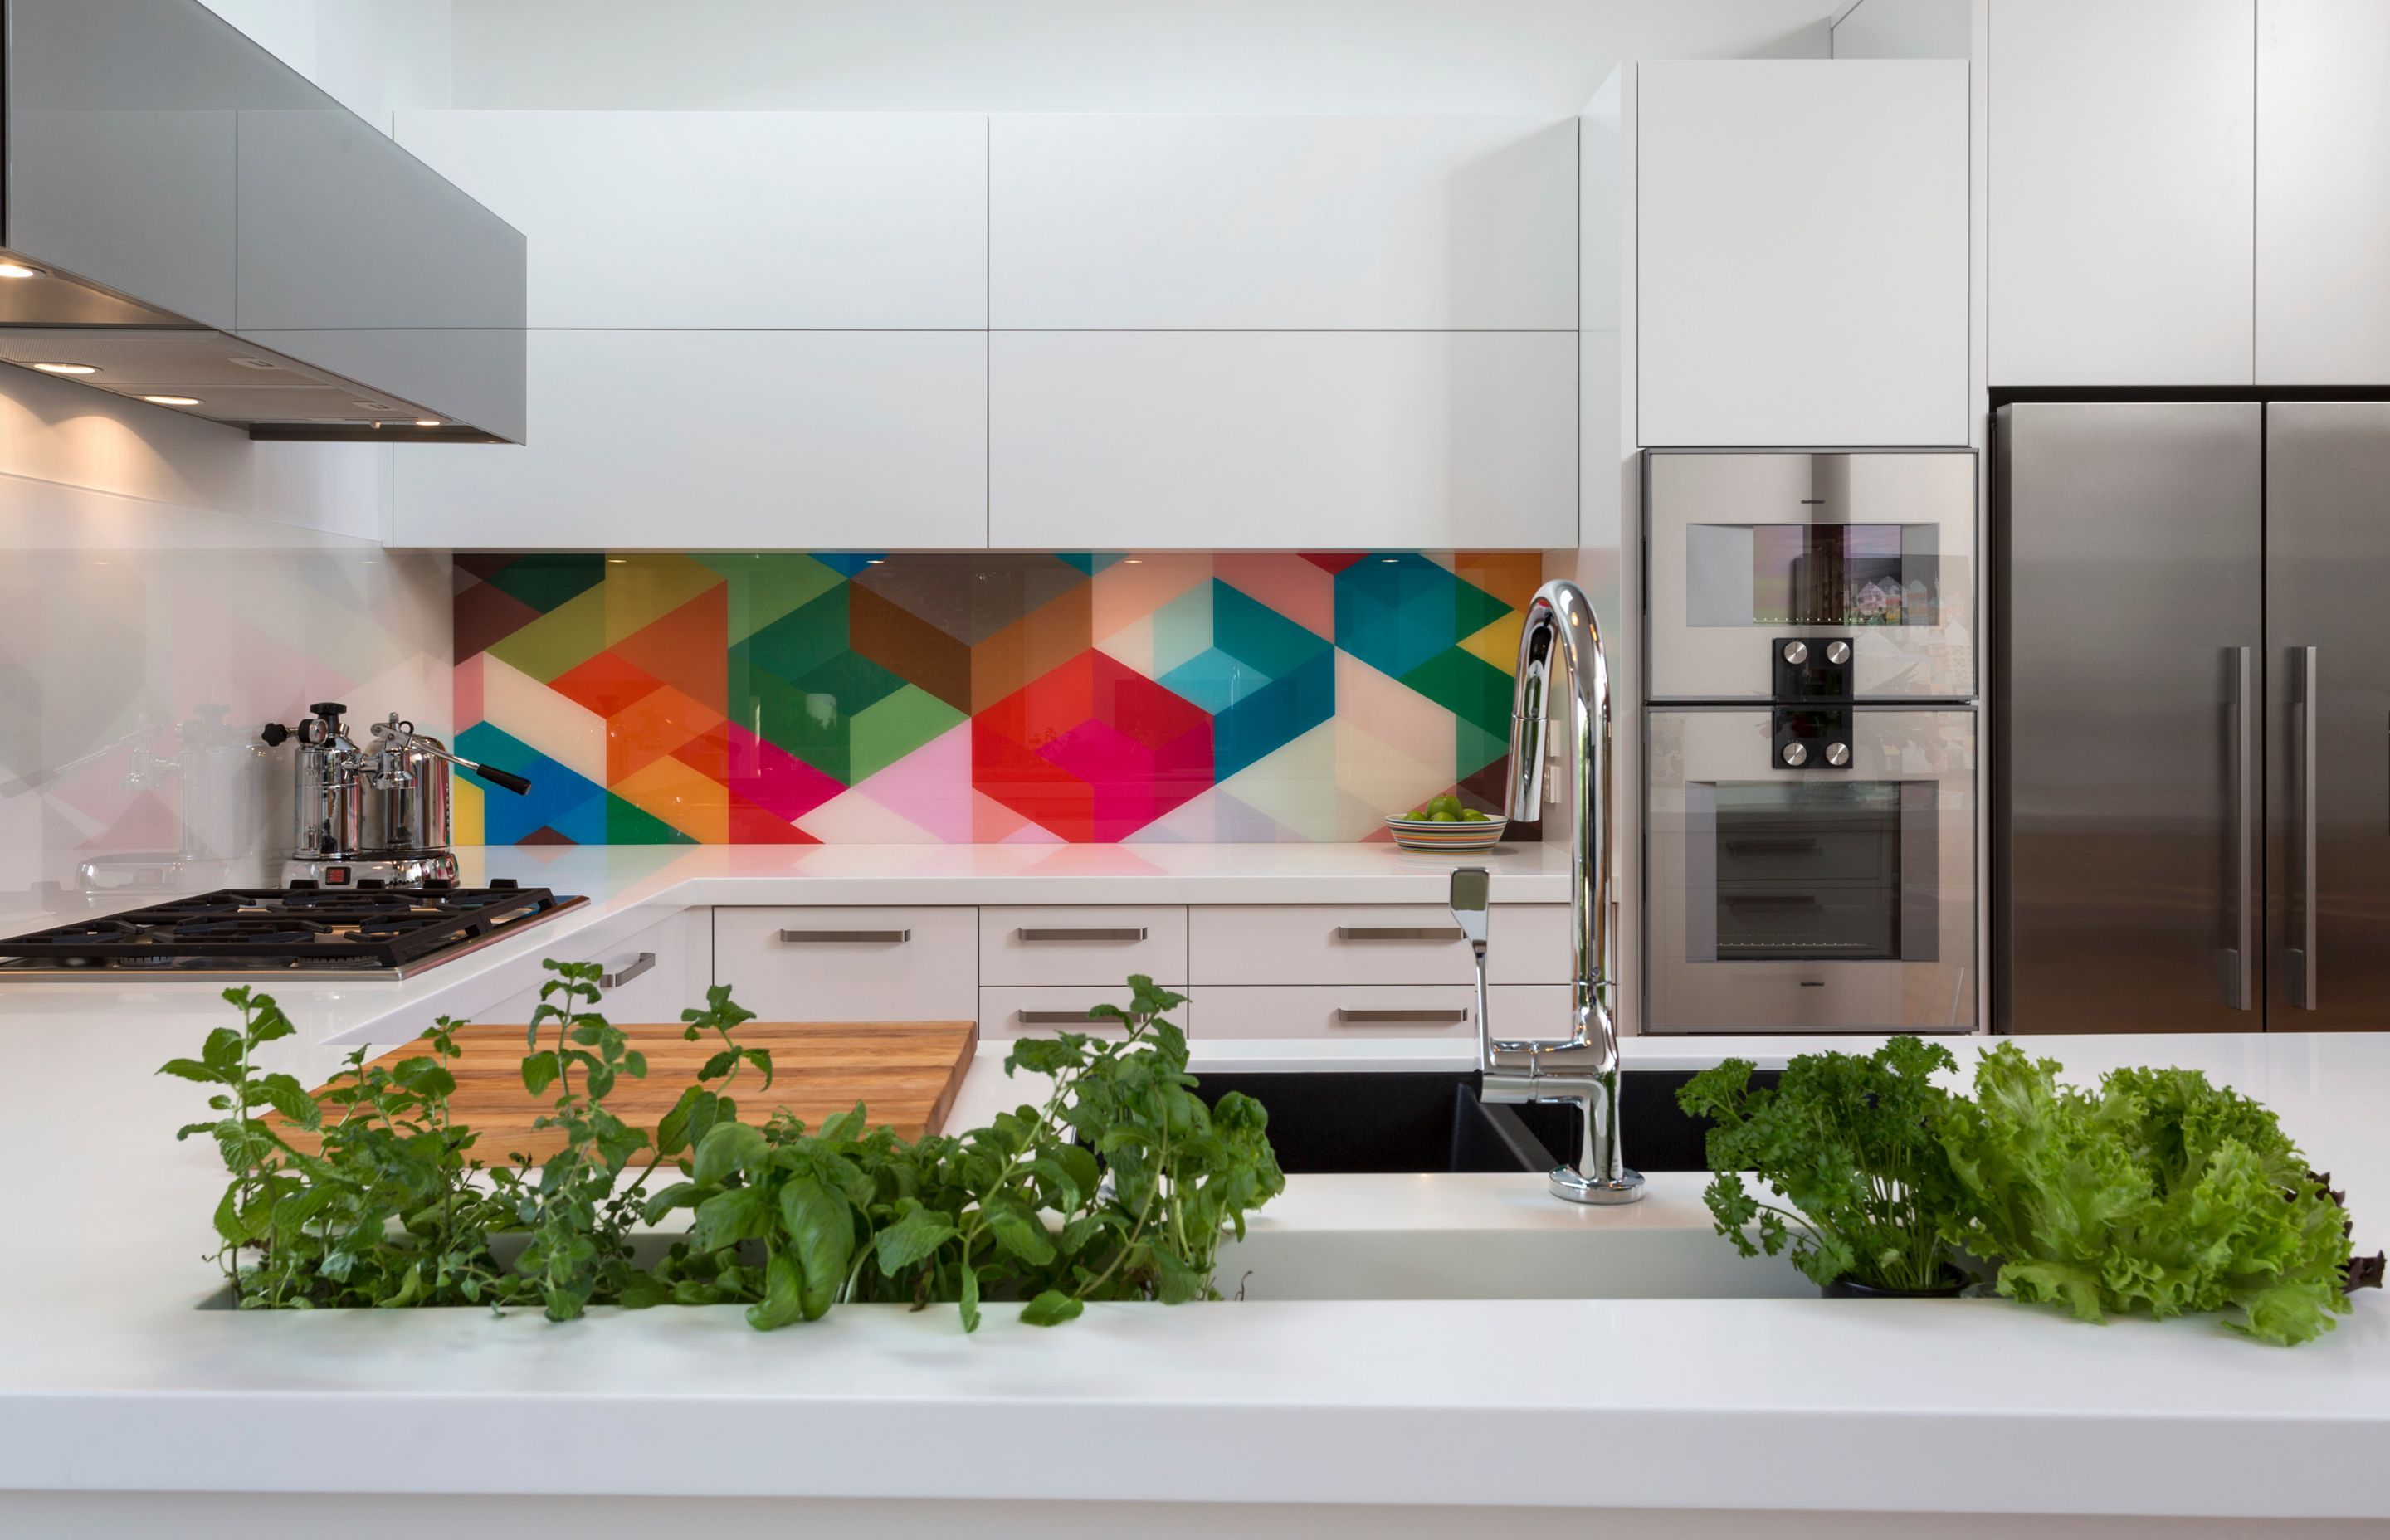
{"x":731,"y":219}
{"x":721,"y":440}
{"x":2323,"y":192}
{"x":1801,"y":251}
{"x":1318,"y":441}
{"x":1162,"y":221}
{"x":2123,"y":152}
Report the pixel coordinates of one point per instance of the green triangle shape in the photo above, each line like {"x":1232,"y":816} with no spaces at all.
{"x":626,"y":825}
{"x":546,"y":582}
{"x":766,"y":585}
{"x":1473,"y":749}
{"x":1473,"y":608}
{"x":888,"y":729}
{"x":1468,"y":686}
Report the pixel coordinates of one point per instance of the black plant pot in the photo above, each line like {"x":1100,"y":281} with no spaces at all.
{"x":1953,"y":1282}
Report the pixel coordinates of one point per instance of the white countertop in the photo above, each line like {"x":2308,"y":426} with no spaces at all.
{"x":630,"y":887}
{"x":111,"y":1379}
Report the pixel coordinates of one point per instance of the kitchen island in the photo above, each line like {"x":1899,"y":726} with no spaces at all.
{"x":128,"y":1408}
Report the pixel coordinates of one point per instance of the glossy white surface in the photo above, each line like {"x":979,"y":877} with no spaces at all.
{"x":110,"y":1380}
{"x":1163,"y":222}
{"x":1276,"y":440}
{"x":731,"y":220}
{"x":1802,"y":252}
{"x":2123,"y":166}
{"x":2323,"y":192}
{"x":709,"y":439}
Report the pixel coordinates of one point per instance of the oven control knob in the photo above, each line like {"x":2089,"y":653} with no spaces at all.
{"x":1796,"y":653}
{"x":1838,"y":653}
{"x":1796,"y":753}
{"x":1838,"y":754}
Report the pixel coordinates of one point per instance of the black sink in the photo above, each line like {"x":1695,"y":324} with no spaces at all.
{"x":1420,"y":1121}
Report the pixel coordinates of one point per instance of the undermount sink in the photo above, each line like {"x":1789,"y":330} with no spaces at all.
{"x":1404,"y":1187}
{"x":1343,"y":1122}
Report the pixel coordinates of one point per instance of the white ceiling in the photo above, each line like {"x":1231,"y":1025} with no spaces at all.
{"x":1227,"y":56}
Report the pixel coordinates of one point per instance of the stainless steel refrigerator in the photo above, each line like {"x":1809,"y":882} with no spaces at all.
{"x":2190,"y":790}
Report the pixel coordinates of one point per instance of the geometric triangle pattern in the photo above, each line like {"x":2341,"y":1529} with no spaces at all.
{"x":988,"y":697}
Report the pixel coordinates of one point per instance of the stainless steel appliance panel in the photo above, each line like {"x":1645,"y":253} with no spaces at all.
{"x":2133,"y":544}
{"x":2327,"y":731}
{"x":1748,"y":546}
{"x":1817,"y":899}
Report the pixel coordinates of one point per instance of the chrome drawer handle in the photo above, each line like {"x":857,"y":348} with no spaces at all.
{"x":638,"y":964}
{"x":1056,"y":1017}
{"x":1404,"y":1017}
{"x":1398,"y":933}
{"x":849,"y":937}
{"x":1092,"y":932}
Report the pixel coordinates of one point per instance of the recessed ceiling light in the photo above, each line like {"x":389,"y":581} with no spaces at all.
{"x":66,"y":369}
{"x":427,"y":422}
{"x":21,"y":270}
{"x":172,"y":401}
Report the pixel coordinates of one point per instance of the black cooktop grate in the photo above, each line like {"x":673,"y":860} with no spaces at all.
{"x":361,"y":928}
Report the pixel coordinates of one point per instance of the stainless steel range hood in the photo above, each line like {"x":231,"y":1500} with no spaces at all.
{"x":184,"y":216}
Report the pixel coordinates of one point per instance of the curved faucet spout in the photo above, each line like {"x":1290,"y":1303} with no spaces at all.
{"x":1583,"y":1068}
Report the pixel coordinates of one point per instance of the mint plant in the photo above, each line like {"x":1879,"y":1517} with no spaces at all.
{"x":1119,"y":1186}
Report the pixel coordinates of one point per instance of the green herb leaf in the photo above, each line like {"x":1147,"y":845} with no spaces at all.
{"x":1050,"y":1308}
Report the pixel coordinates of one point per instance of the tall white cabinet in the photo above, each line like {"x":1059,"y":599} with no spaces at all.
{"x":2323,"y":192}
{"x":2123,"y":192}
{"x":1801,"y":251}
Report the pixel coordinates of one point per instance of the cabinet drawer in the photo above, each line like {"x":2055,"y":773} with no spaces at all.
{"x":1041,"y":1011}
{"x":1055,"y":945}
{"x":1375,"y":943}
{"x":656,"y":974}
{"x":1378,"y":1011}
{"x":874,"y":963}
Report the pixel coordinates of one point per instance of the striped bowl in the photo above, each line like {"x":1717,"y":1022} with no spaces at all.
{"x":1446,"y":838}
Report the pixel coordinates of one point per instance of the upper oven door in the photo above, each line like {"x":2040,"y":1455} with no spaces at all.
{"x":1868,"y":556}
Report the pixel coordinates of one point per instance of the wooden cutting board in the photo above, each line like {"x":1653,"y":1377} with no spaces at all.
{"x":905,"y":1073}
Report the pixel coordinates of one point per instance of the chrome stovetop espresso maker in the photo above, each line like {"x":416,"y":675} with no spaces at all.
{"x":380,"y":811}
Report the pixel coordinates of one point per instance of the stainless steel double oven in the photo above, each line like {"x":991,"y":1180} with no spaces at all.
{"x":1809,"y":741}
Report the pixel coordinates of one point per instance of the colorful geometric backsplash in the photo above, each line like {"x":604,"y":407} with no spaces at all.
{"x":981,"y":697}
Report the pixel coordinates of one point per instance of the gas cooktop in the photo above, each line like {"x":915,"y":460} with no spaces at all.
{"x":370,"y":931}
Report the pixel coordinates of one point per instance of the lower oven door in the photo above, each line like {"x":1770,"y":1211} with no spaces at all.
{"x":1810,"y":899}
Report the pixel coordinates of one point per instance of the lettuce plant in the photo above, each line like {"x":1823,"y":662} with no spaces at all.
{"x":2157,"y":1193}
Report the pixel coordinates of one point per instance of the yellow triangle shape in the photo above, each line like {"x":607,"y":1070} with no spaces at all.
{"x":641,"y":590}
{"x":1498,"y":643}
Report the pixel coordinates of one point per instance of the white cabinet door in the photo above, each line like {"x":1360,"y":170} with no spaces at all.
{"x":651,"y":976}
{"x":876,"y":963}
{"x":2122,"y":158}
{"x":1159,"y":221}
{"x":1801,"y":251}
{"x":731,"y":219}
{"x":2323,"y":192}
{"x":722,"y":440}
{"x":1319,"y":441}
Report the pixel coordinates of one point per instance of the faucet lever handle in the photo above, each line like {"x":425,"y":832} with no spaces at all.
{"x":1470,"y":886}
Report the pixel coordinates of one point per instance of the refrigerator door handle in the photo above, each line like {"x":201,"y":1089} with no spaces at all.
{"x":2306,"y":706}
{"x":2237,"y":972}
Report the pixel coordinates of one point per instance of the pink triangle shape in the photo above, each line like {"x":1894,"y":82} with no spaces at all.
{"x":930,"y":788}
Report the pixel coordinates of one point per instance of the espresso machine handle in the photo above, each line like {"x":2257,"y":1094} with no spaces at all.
{"x":496,"y":777}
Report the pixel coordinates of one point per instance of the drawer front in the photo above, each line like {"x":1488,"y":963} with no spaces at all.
{"x":1376,"y":943}
{"x":1041,"y":1011}
{"x":874,"y":963}
{"x":654,"y":975}
{"x":1057,"y":945}
{"x":1341,"y":1012}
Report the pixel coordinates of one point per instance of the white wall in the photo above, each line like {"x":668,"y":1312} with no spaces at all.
{"x":1903,"y":29}
{"x":1095,"y":56}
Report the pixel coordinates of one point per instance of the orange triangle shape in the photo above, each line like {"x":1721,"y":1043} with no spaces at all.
{"x":688,"y":648}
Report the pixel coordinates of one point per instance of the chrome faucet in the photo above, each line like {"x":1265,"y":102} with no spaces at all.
{"x":1584,"y":1067}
